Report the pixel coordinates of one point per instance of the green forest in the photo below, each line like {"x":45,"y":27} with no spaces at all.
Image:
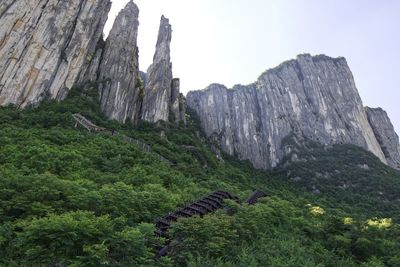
{"x":69,"y":197}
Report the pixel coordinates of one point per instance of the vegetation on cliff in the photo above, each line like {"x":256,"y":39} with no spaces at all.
{"x":75,"y":198}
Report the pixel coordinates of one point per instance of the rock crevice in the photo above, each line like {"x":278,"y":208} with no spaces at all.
{"x":177,"y":103}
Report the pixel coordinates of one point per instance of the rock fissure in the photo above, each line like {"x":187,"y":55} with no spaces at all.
{"x":63,"y":56}
{"x":6,"y":7}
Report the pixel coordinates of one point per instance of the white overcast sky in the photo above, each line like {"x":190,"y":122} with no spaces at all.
{"x":234,"y":41}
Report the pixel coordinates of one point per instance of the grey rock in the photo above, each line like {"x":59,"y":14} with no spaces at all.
{"x":118,"y":74}
{"x":90,"y":71}
{"x":178,"y":102}
{"x":156,"y":104}
{"x":232,"y":115}
{"x":309,"y":98}
{"x":143,"y":76}
{"x":48,"y":46}
{"x":385,"y":134}
{"x":363,"y":166}
{"x":43,"y":46}
{"x":163,"y":135}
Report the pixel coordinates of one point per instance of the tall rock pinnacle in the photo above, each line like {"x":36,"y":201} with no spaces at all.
{"x":43,"y":45}
{"x":157,"y":95}
{"x":311,"y":97}
{"x":118,"y":74}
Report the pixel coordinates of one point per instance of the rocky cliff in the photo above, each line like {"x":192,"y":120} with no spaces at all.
{"x":118,"y":74}
{"x":48,"y":46}
{"x":310,"y":97}
{"x":385,"y":134}
{"x":157,"y":98}
{"x":44,"y":44}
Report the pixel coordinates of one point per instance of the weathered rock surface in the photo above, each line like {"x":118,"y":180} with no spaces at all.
{"x":310,"y":97}
{"x":143,"y":76}
{"x":178,"y":102}
{"x":157,"y":98}
{"x":385,"y":134}
{"x":90,"y":70}
{"x":118,"y":74}
{"x":48,"y":46}
{"x":44,"y":44}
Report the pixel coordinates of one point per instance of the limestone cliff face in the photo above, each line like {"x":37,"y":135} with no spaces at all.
{"x":385,"y":134}
{"x":157,"y":96}
{"x":310,"y":97}
{"x":44,"y":44}
{"x":48,"y":46}
{"x":119,"y":68}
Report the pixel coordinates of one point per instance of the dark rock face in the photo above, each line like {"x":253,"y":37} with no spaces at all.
{"x":157,"y":96}
{"x":90,"y":71}
{"x":310,"y":97}
{"x":43,"y":46}
{"x":385,"y":134}
{"x":178,"y":102}
{"x":118,"y":72}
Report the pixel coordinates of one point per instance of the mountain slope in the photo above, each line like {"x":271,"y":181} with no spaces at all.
{"x":75,"y":198}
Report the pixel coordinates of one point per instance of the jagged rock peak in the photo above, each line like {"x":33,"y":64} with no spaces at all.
{"x":44,"y":44}
{"x":156,"y":105}
{"x":118,"y":74}
{"x":310,"y":97}
{"x":163,"y":41}
{"x":385,"y":134}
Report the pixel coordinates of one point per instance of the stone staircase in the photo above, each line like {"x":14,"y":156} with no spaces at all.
{"x":93,"y":128}
{"x":201,"y":207}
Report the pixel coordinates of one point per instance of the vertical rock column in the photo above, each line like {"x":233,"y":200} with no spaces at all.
{"x":157,"y":95}
{"x":178,"y":103}
{"x":44,"y":44}
{"x":120,"y":96}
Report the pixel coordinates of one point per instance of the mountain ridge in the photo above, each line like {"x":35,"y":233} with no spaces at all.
{"x":58,"y":45}
{"x":311,"y":96}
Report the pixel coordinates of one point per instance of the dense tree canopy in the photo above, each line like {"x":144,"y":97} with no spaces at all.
{"x":74,"y":198}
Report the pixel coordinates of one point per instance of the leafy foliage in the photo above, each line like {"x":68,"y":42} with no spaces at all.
{"x":349,"y":175}
{"x":72,"y":198}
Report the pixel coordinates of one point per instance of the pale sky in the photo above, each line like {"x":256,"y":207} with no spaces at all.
{"x":234,"y":41}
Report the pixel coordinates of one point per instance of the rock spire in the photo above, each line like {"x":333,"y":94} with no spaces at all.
{"x":157,"y":95}
{"x":118,"y":73}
